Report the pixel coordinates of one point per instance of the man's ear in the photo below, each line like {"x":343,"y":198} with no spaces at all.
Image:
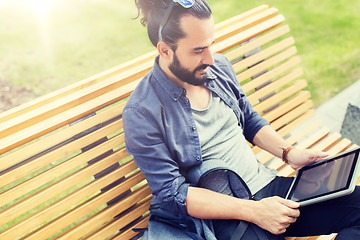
{"x":164,"y":50}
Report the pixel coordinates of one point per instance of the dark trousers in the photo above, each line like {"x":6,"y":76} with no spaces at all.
{"x":340,"y":215}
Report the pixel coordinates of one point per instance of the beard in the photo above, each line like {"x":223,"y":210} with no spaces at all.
{"x":187,"y":76}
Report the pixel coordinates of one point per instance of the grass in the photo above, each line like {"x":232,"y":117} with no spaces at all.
{"x":326,"y":37}
{"x":84,"y":37}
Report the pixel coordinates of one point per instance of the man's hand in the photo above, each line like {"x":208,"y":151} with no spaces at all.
{"x":275,"y":214}
{"x":299,"y":158}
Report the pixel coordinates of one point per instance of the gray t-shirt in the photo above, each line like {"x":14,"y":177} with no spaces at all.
{"x":222,"y":138}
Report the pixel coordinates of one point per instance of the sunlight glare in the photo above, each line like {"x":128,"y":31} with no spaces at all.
{"x":42,"y":10}
{"x":41,"y":7}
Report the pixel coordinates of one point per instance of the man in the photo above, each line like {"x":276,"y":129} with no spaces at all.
{"x":190,"y":109}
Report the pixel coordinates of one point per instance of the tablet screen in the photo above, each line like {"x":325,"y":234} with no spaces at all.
{"x":325,"y":177}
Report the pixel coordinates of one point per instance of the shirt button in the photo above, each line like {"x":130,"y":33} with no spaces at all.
{"x":193,"y":128}
{"x":198,"y":158}
{"x":186,"y":101}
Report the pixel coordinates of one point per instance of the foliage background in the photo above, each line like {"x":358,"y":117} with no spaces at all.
{"x":49,"y":44}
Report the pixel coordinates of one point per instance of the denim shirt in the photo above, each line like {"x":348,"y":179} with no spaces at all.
{"x":161,"y":134}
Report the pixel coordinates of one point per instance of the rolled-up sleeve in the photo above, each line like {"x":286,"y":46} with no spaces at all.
{"x":144,"y":137}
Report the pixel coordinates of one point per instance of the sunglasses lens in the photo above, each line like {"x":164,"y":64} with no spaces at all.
{"x":185,"y":3}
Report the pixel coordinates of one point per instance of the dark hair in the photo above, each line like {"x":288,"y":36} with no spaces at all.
{"x":153,"y":12}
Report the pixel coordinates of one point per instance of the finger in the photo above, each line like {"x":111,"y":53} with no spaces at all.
{"x":289,"y":203}
{"x":323,"y":155}
{"x":292,"y":220}
{"x":292,"y":213}
{"x":318,"y":155}
{"x":281,"y":231}
{"x":295,"y":213}
{"x":284,"y":226}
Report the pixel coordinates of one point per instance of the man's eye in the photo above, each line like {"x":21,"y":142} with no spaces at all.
{"x":199,"y":51}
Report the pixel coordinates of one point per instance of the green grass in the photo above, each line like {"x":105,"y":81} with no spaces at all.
{"x":326,"y":35}
{"x":85,"y":37}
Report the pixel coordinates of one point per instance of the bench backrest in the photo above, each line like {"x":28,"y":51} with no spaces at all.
{"x":64,"y":169}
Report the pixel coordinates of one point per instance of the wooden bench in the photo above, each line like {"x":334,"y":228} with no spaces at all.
{"x":64,"y":169}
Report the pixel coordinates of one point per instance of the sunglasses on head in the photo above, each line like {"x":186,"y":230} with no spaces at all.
{"x":183,"y":3}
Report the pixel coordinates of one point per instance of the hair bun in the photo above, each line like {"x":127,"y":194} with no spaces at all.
{"x":145,"y":8}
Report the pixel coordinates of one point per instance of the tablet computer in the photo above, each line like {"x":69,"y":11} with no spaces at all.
{"x":326,"y":179}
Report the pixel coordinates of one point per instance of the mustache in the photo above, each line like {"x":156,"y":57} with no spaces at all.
{"x":201,"y":67}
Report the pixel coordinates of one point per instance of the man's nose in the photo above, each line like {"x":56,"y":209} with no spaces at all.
{"x":208,"y":58}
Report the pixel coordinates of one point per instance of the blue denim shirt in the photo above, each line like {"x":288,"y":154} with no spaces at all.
{"x":161,"y":134}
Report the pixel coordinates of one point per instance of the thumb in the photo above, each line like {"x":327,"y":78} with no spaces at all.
{"x":323,"y":154}
{"x":320,"y":154}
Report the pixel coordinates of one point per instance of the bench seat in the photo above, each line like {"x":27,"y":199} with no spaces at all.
{"x":64,"y":169}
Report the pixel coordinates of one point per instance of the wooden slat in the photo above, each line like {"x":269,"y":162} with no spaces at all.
{"x":129,"y":233}
{"x":323,"y":237}
{"x":329,"y":142}
{"x":286,"y":171}
{"x":257,"y":42}
{"x":296,"y":123}
{"x":274,"y":86}
{"x":121,"y":222}
{"x":57,"y":154}
{"x":73,"y":100}
{"x":29,"y":203}
{"x":264,"y":54}
{"x":265,"y":65}
{"x":61,"y":93}
{"x":341,"y":146}
{"x":108,"y":213}
{"x":327,"y":237}
{"x":228,"y":22}
{"x":59,"y":137}
{"x":305,"y":130}
{"x":276,"y":164}
{"x":51,"y":124}
{"x":316,"y":137}
{"x":280,"y":96}
{"x":265,"y":77}
{"x":300,"y":238}
{"x":286,"y":106}
{"x":86,"y":208}
{"x":242,"y":25}
{"x":61,"y":206}
{"x":248,"y":34}
{"x":294,"y":114}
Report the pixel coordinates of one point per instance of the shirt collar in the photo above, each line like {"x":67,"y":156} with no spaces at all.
{"x":169,"y":86}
